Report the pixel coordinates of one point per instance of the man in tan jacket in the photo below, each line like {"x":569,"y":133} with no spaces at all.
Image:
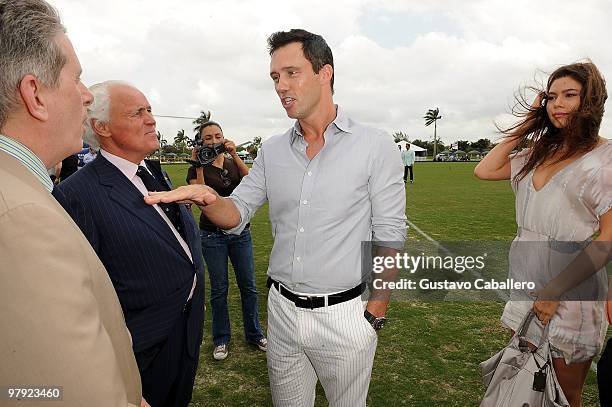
{"x":62,"y":332}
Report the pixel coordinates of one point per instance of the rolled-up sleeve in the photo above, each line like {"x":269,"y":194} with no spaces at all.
{"x":250,"y":194}
{"x":387,"y":194}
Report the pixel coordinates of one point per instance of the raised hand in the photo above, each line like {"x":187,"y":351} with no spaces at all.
{"x":230,"y":147}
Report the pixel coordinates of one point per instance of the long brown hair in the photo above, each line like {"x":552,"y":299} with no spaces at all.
{"x":581,"y":133}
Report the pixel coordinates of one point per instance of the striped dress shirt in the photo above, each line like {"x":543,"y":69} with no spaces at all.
{"x":26,"y":157}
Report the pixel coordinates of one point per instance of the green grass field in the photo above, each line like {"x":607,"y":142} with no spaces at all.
{"x":428,"y":354}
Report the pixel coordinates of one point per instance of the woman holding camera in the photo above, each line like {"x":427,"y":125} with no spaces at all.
{"x":563,"y":187}
{"x":223,"y":174}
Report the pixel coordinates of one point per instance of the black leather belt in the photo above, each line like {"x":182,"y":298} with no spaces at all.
{"x":207,"y":228}
{"x":316,"y":301}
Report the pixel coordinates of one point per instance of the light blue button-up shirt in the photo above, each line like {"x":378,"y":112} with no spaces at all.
{"x":321,"y":210}
{"x":408,"y":157}
{"x":26,"y":157}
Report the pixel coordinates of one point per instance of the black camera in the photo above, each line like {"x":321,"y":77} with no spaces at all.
{"x":205,"y":153}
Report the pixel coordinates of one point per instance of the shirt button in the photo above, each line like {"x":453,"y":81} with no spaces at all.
{"x":298,"y":258}
{"x":305,"y":202}
{"x":309,"y":173}
{"x":301,"y":229}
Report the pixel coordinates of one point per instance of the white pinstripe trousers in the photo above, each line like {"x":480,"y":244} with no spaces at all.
{"x":335,"y":344}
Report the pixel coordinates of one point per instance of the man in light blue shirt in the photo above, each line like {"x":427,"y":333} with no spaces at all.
{"x":408,"y":158}
{"x":331,"y":184}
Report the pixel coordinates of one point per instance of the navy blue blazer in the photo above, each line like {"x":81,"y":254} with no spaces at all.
{"x":151,"y":272}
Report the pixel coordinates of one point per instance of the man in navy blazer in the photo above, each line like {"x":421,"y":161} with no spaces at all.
{"x":152,"y":253}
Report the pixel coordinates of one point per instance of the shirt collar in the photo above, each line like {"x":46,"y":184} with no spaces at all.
{"x":26,"y":157}
{"x":341,"y":123}
{"x":128,"y":168}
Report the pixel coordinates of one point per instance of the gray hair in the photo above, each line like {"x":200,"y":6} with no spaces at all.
{"x":28,"y":30}
{"x":99,"y":109}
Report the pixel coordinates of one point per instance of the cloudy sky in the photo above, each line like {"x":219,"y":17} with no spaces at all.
{"x":394,"y":59}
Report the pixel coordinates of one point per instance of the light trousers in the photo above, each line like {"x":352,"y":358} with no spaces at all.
{"x":333,"y":344}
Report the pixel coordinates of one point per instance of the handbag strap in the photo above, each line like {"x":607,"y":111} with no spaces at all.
{"x":522,"y":331}
{"x":524,"y":326}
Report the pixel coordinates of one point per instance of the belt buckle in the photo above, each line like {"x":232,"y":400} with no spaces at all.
{"x":309,"y":299}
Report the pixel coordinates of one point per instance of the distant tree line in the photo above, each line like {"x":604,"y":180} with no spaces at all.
{"x":463,"y":145}
{"x":182,"y":143}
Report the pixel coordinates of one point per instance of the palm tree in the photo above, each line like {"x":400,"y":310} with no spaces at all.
{"x":162,"y":143}
{"x":203,"y":118}
{"x":180,"y":140}
{"x":253,"y":148}
{"x":400,"y":136}
{"x":432,"y":116}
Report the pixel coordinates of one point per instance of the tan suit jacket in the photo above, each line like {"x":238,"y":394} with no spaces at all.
{"x":60,"y":320}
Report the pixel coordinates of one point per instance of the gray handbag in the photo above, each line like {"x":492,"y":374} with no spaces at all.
{"x":519,"y":377}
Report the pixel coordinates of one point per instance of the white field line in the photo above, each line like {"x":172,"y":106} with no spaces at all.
{"x":502,"y":295}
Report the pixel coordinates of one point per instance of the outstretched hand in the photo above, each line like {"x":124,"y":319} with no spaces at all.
{"x":200,"y":195}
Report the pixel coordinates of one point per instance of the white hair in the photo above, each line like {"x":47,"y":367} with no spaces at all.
{"x":99,"y":109}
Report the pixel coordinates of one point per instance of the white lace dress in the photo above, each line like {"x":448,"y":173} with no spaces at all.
{"x":554,"y":225}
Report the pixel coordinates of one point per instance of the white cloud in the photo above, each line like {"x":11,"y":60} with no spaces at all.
{"x":394,"y":59}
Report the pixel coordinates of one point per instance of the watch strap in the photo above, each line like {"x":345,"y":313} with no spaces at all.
{"x":371,"y":318}
{"x":376,"y":322}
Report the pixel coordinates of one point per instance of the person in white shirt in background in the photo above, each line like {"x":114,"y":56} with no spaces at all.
{"x":90,"y":156}
{"x":408,"y":158}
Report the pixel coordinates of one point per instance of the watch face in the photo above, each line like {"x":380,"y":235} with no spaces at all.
{"x":379,"y":323}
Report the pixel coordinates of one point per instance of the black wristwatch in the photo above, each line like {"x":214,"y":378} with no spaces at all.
{"x":376,"y":322}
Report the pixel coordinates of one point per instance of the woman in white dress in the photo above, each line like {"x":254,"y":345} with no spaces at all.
{"x":563,"y":186}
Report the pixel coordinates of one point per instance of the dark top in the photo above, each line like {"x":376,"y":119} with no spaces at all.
{"x":223,"y":181}
{"x":69,"y":166}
